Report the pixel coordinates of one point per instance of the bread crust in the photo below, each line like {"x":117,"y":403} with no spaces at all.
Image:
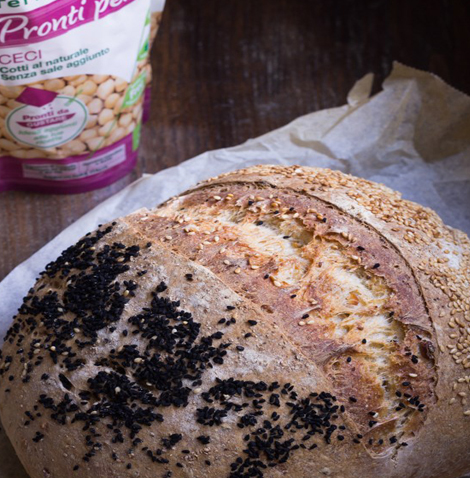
{"x":406,"y":275}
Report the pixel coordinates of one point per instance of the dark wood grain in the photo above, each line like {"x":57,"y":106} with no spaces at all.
{"x":233,"y":69}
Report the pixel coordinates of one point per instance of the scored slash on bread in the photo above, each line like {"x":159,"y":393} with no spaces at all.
{"x":271,"y":321}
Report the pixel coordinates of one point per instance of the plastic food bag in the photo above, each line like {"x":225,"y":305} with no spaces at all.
{"x":74,"y":90}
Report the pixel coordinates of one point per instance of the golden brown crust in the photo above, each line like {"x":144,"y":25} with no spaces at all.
{"x":344,"y":354}
{"x":357,"y":293}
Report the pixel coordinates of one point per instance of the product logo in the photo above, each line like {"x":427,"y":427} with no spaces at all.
{"x":47,"y":119}
{"x":66,"y":15}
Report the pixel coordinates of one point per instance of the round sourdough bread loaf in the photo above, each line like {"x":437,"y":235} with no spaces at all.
{"x":271,"y":322}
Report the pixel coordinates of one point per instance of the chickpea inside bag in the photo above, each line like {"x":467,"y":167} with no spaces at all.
{"x":74,"y":90}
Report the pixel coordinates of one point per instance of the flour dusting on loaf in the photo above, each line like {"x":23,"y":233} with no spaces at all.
{"x":272,"y":321}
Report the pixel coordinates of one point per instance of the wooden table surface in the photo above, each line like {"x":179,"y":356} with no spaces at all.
{"x":233,"y":69}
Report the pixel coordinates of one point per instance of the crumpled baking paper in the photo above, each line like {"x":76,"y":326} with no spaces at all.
{"x":413,"y":136}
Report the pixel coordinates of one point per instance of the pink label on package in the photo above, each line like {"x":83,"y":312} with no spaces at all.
{"x":49,"y":22}
{"x":70,"y":175}
{"x":77,"y":170}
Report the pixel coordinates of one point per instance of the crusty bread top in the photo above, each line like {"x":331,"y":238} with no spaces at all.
{"x":363,"y":300}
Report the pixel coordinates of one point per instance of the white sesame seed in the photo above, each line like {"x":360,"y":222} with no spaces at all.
{"x":117,"y":389}
{"x":237,"y":270}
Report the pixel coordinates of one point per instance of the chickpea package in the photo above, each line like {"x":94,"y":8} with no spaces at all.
{"x":74,"y":90}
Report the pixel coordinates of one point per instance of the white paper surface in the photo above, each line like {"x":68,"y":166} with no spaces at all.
{"x":414,"y":136}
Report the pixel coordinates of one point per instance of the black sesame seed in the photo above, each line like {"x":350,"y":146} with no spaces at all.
{"x":252,"y":322}
{"x":376,"y":265}
{"x":240,"y":348}
{"x":65,"y":381}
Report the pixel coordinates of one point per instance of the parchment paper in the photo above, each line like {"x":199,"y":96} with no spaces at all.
{"x":414,"y":136}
